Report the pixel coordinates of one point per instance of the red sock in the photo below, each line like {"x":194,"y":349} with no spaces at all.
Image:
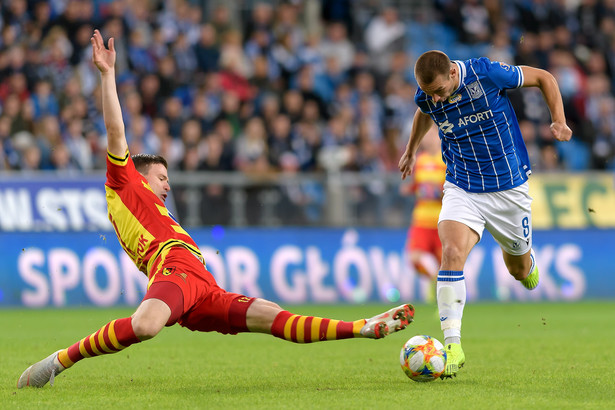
{"x":307,"y":329}
{"x":111,"y":338}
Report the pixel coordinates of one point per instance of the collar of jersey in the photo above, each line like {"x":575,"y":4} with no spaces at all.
{"x":462,"y":74}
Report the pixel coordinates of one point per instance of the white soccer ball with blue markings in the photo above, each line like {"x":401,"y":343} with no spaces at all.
{"x":423,"y":358}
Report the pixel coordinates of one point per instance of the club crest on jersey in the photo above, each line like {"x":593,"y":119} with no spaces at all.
{"x":168,"y":271}
{"x":454,"y":98}
{"x":475,"y":90}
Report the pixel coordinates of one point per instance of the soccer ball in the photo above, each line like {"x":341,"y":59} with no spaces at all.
{"x":423,"y":358}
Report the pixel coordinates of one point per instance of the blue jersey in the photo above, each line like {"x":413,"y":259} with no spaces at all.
{"x":482,"y":145}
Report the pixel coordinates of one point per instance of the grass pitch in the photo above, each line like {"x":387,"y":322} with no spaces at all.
{"x":520,"y":356}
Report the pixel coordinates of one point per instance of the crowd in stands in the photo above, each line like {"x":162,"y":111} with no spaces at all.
{"x":263,"y":86}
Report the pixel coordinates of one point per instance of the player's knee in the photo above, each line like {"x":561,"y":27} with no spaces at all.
{"x":453,"y":255}
{"x":146,"y":329}
{"x":261,"y":315}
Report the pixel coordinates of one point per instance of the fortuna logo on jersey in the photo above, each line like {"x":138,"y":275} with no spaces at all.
{"x":446,"y":127}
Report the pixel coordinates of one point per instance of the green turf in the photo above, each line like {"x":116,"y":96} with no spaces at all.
{"x":548,"y":355}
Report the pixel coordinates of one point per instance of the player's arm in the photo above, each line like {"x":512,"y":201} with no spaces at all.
{"x":535,"y":77}
{"x":420,"y":125}
{"x":104,"y":59}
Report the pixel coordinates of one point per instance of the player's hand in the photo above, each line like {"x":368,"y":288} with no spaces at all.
{"x":406,"y":164}
{"x":561,"y":131}
{"x":103,"y":58}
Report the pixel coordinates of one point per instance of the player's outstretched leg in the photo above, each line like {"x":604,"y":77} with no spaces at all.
{"x":455,"y":359}
{"x":308,"y":329}
{"x":111,"y":338}
{"x":42,"y":372}
{"x":388,"y":322}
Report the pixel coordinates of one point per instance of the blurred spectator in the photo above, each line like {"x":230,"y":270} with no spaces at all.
{"x":307,"y":87}
{"x":251,"y":147}
{"x":384,"y":36}
{"x":338,"y":11}
{"x":307,"y":142}
{"x":309,"y":53}
{"x":151,"y":100}
{"x":43,"y":101}
{"x":140,"y":59}
{"x":222,"y":21}
{"x":280,"y":139}
{"x":185,"y":58}
{"x":173,"y":113}
{"x":169,"y":147}
{"x":261,"y":19}
{"x":9,"y":155}
{"x":206,"y":50}
{"x":17,"y":84}
{"x":474,"y":25}
{"x":285,"y":56}
{"x":235,"y":67}
{"x":77,"y":145}
{"x":337,"y":45}
{"x":501,"y":49}
{"x":30,"y":158}
{"x":292,"y":101}
{"x":287,"y":25}
{"x":61,"y":159}
{"x":300,"y":201}
{"x":217,"y":209}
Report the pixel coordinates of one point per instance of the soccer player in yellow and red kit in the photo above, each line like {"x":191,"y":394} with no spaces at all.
{"x":180,"y":289}
{"x":423,"y":243}
{"x":423,"y":246}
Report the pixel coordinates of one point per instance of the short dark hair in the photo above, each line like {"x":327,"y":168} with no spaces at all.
{"x":144,"y":161}
{"x":430,"y":65}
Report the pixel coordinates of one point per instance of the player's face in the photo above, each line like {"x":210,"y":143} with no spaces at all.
{"x":442,"y":87}
{"x":158,"y":180}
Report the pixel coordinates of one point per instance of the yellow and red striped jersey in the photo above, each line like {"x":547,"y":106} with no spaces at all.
{"x":142,"y":223}
{"x":429,"y":175}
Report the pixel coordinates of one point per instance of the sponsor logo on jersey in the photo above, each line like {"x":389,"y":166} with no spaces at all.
{"x":454,"y":98}
{"x":474,"y":118}
{"x":446,"y":127}
{"x":475,"y":90}
{"x":443,"y":318}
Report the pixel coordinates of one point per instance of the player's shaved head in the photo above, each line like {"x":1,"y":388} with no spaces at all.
{"x":144,"y":161}
{"x":430,"y":65}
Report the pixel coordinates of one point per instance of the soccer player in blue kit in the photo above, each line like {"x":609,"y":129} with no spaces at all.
{"x":487,"y":170}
